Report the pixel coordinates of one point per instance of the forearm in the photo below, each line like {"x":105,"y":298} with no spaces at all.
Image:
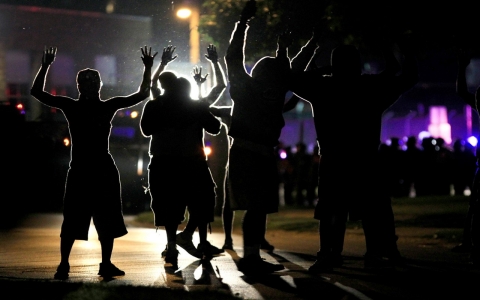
{"x":235,"y":50}
{"x":220,"y":79}
{"x":146,"y":82}
{"x":155,"y":90}
{"x":39,"y":82}
{"x":220,"y":84}
{"x":304,"y":56}
{"x":199,"y":86}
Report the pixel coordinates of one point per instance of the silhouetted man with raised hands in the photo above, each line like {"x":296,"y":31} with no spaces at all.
{"x":179,"y":176}
{"x":92,"y":188}
{"x":347,"y":107}
{"x":256,"y":123}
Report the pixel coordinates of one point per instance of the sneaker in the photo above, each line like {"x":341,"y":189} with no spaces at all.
{"x":228,"y":245}
{"x":185,"y":241}
{"x":397,"y":260}
{"x":109,"y":270}
{"x":208,"y":250}
{"x":377,"y":263}
{"x":171,"y":256}
{"x":265,"y":245}
{"x":255,"y":265}
{"x":320,"y":266}
{"x":214,"y":250}
{"x":62,"y":271}
{"x":164,"y":252}
{"x":337,"y":260}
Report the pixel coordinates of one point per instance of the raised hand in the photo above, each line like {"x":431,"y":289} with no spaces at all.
{"x":49,"y":55}
{"x":167,"y":55}
{"x":212,"y":54}
{"x":249,"y":11}
{"x":197,"y":75}
{"x":147,"y":56}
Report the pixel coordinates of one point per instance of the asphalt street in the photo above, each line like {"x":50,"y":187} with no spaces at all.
{"x":31,"y":251}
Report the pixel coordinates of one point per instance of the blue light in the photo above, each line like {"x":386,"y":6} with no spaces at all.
{"x":472,"y":141}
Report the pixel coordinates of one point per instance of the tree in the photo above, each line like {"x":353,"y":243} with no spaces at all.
{"x":432,"y":25}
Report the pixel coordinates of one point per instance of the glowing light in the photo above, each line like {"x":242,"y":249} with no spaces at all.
{"x":19,"y":106}
{"x":439,"y":126}
{"x":283,"y":154}
{"x":207,"y":150}
{"x":134,"y":114}
{"x":110,"y":8}
{"x":140,"y":166}
{"x":472,"y":141}
{"x":66,"y":142}
{"x":184,"y":13}
{"x":424,"y":134}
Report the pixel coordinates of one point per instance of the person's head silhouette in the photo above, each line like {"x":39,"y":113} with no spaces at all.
{"x":272,"y":71}
{"x":411,"y":142}
{"x":89,"y":82}
{"x":345,"y":61}
{"x":184,"y":87}
{"x":168,"y":81}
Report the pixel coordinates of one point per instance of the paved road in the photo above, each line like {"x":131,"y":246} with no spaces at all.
{"x":30,"y":251}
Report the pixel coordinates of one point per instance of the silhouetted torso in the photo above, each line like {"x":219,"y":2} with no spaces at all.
{"x":359,"y":104}
{"x":90,"y":126}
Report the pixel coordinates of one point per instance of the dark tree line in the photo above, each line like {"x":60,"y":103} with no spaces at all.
{"x":432,"y":25}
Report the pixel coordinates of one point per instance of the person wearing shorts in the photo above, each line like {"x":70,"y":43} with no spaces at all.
{"x":92,"y":188}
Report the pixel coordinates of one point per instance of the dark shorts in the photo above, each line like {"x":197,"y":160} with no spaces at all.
{"x":93,"y":192}
{"x":176,"y":184}
{"x":253,"y":180}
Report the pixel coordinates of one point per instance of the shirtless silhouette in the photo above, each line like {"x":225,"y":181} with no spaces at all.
{"x":92,"y":188}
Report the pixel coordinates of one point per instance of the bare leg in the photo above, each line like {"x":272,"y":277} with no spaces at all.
{"x":66,"y":245}
{"x":227,"y":218}
{"x":107,"y":248}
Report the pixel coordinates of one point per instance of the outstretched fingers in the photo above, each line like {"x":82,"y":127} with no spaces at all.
{"x":49,"y":54}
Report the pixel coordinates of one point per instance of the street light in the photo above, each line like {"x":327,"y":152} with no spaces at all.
{"x":189,"y":10}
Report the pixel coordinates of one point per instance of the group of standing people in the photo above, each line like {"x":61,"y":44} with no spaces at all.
{"x":429,"y":169}
{"x":350,"y":183}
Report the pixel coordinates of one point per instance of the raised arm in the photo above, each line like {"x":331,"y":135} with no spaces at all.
{"x":306,"y":54}
{"x":144,"y":90}
{"x":167,"y":57}
{"x":235,"y":58}
{"x":38,"y":87}
{"x":462,"y":89}
{"x":220,"y":82}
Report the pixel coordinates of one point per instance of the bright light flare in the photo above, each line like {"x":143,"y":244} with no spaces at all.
{"x":424,"y":134}
{"x":134,"y":114}
{"x":283,"y":154}
{"x":184,"y":13}
{"x":66,"y":142}
{"x":207,"y":150}
{"x":140,"y":166}
{"x":472,"y":141}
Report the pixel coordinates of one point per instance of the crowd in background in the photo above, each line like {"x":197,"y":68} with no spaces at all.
{"x":414,"y":168}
